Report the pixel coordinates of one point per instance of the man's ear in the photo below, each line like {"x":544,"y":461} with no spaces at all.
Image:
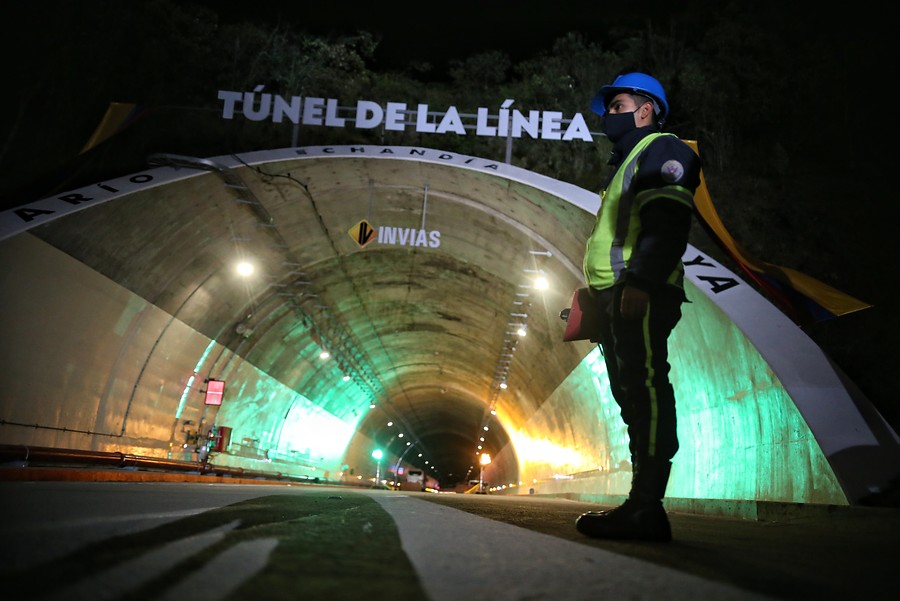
{"x":642,"y":113}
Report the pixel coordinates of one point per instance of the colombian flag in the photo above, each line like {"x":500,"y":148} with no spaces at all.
{"x":804,"y":299}
{"x":119,"y":116}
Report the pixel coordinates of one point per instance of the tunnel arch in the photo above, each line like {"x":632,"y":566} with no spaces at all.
{"x":162,"y":264}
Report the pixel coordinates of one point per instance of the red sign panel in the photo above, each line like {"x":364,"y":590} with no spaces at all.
{"x":215,"y":390}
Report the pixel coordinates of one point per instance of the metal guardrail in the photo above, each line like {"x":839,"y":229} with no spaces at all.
{"x":47,"y":456}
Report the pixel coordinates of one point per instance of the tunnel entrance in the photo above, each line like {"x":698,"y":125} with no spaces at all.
{"x":129,"y":288}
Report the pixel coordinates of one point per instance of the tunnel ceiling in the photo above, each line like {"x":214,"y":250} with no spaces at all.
{"x":421,"y":321}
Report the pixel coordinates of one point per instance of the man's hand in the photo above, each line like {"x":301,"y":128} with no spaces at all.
{"x":634,"y":302}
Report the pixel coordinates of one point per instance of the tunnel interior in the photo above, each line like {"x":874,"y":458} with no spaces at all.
{"x":433,"y":323}
{"x":407,"y":300}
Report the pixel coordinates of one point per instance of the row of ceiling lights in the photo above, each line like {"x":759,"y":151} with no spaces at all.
{"x":245,"y":269}
{"x":244,"y":195}
{"x":535,"y":280}
{"x":408,"y":445}
{"x":332,"y":338}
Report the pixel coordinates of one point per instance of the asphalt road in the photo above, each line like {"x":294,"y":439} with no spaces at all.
{"x":458,"y":546}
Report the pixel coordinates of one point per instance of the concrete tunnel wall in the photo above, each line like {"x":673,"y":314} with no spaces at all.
{"x":762,"y":413}
{"x":90,"y":365}
{"x":742,"y":437}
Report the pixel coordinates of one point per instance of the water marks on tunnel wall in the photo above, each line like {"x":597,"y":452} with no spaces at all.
{"x":37,"y":213}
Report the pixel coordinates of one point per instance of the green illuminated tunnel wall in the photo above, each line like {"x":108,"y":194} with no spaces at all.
{"x":742,"y":436}
{"x":99,"y":368}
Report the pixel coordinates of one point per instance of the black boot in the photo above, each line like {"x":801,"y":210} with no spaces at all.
{"x":642,"y":516}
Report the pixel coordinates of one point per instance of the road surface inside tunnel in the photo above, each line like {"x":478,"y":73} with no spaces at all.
{"x":162,"y":540}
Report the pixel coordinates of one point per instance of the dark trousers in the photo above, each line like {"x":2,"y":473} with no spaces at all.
{"x":637,"y":361}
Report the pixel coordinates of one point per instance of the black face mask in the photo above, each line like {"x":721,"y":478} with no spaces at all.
{"x":617,"y":125}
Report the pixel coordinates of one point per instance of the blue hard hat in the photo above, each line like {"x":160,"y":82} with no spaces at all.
{"x":632,"y":83}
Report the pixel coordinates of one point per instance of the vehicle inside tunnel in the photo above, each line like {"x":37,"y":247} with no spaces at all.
{"x":396,"y":299}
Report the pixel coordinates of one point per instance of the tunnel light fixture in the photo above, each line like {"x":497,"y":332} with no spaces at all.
{"x":521,"y":332}
{"x":541,"y":283}
{"x":244,"y":268}
{"x":346,"y":378}
{"x":504,"y":385}
{"x":486,"y":428}
{"x":324,"y":355}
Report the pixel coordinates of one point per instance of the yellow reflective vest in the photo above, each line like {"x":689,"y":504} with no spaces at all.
{"x":618,"y":224}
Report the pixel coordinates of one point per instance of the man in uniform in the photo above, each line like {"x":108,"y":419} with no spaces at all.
{"x":632,"y":266}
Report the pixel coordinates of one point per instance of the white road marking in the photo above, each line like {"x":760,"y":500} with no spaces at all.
{"x":227,"y":571}
{"x":128,"y":576}
{"x":499,"y":561}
